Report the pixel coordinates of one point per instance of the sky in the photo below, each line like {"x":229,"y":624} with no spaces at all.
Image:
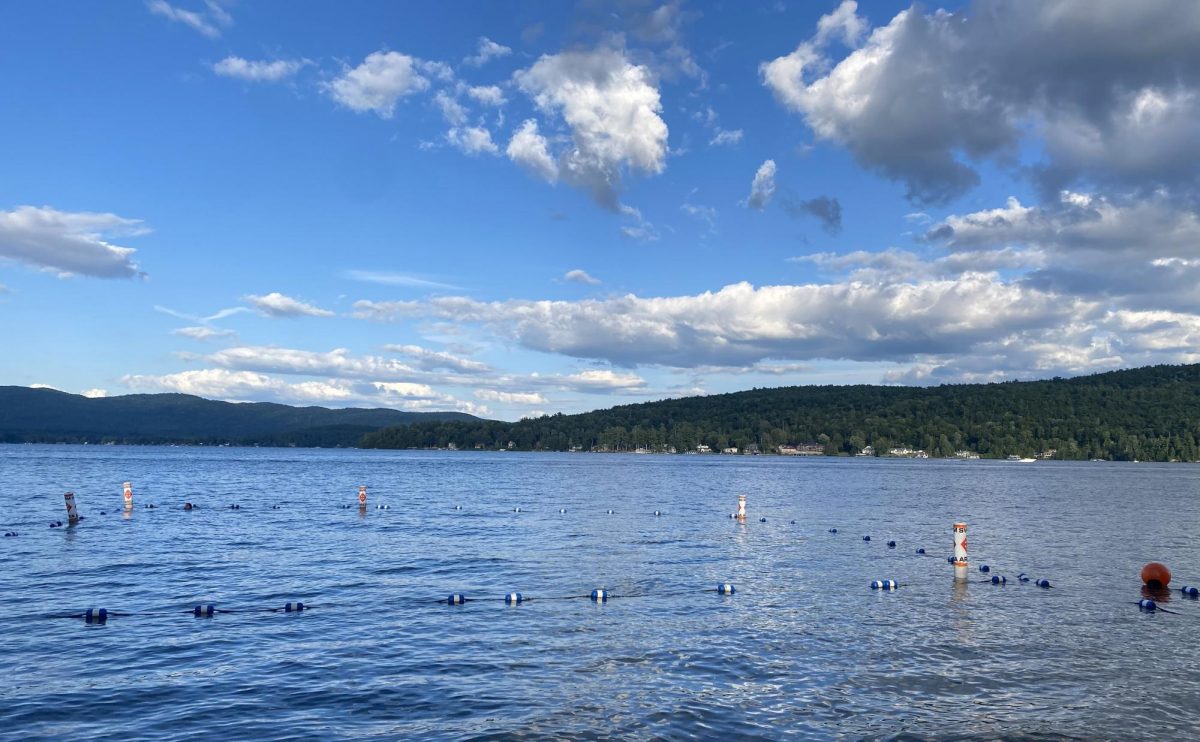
{"x":514,"y":208}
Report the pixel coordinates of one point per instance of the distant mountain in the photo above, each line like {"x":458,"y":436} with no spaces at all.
{"x":1151,"y":414}
{"x":51,"y":416}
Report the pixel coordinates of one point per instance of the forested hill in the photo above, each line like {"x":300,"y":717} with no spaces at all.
{"x":1151,"y":414}
{"x":51,"y":416}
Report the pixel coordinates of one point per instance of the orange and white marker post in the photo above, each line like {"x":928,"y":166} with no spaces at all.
{"x":129,"y":496}
{"x":362,"y":495}
{"x":960,"y":552}
{"x":72,"y":513}
{"x":741,"y":513}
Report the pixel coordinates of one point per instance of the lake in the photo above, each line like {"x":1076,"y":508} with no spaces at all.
{"x":804,"y":646}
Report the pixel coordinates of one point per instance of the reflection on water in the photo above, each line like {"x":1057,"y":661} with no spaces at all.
{"x":804,"y":645}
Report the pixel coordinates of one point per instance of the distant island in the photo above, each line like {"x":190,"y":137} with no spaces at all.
{"x":50,"y":416}
{"x":1146,"y":414}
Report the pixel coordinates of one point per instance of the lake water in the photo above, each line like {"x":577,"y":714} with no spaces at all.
{"x":803,"y":648}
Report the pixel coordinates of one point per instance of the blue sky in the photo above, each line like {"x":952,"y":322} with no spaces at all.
{"x":512,"y":208}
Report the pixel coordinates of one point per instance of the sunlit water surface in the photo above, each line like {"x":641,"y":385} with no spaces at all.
{"x":804,"y":647}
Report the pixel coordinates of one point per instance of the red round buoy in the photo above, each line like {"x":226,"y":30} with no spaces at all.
{"x":1156,"y":575}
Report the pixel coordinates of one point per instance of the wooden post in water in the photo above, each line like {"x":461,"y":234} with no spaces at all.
{"x":960,"y":552}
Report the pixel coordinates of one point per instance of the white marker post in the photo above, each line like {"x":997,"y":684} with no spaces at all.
{"x":72,"y":513}
{"x":960,"y":552}
{"x":129,"y":496}
{"x":362,"y":495}
{"x":741,"y":513}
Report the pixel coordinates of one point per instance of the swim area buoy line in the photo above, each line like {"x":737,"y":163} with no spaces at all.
{"x":204,"y":611}
{"x":884,"y":585}
{"x":599,"y":596}
{"x":514,"y":599}
{"x":998,"y":580}
{"x":726,"y":588}
{"x":1187,"y":590}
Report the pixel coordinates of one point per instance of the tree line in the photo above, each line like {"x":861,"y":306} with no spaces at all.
{"x":1149,"y":414}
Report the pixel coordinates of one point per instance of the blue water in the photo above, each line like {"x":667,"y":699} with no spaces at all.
{"x":803,"y":648}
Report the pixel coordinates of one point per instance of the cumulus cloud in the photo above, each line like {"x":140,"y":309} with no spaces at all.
{"x":741,"y":324}
{"x":257,"y":70}
{"x":1110,"y":87}
{"x":216,"y":383}
{"x":208,"y":22}
{"x":578,"y":275}
{"x":611,"y":107}
{"x":94,"y":393}
{"x":529,"y":149}
{"x":598,"y":381}
{"x":520,"y":398}
{"x":276,"y":304}
{"x":487,"y":95}
{"x":70,"y":243}
{"x":487,"y":51}
{"x":472,"y":140}
{"x":763,"y":186}
{"x":825,"y":209}
{"x":432,"y":360}
{"x":380,"y":82}
{"x":337,"y":363}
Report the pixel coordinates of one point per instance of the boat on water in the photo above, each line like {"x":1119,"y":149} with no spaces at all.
{"x":1023,"y":460}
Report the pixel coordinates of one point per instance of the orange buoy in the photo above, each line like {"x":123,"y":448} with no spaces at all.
{"x":1155,"y":574}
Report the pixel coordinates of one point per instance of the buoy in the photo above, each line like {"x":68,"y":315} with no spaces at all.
{"x":1043,"y":583}
{"x":148,"y":506}
{"x":293,"y":607}
{"x":866,"y":538}
{"x":128,"y":495}
{"x":56,"y":524}
{"x":95,"y":615}
{"x":657,"y":513}
{"x":456,"y":599}
{"x":960,"y":551}
{"x":458,"y":507}
{"x":275,"y":507}
{"x":1156,"y":574}
{"x":833,"y":530}
{"x":984,"y":568}
{"x":884,"y":585}
{"x":1147,"y":605}
{"x":741,"y":511}
{"x":204,"y":611}
{"x":516,"y":510}
{"x":235,"y":507}
{"x":72,"y":513}
{"x":732,"y":515}
{"x":891,"y":544}
{"x":383,"y":507}
{"x":793,"y":522}
{"x":14,"y":533}
{"x":725,"y":588}
{"x":1023,"y":577}
{"x":514,"y":599}
{"x":610,"y":511}
{"x":920,"y":551}
{"x":998,"y":580}
{"x":362,"y":494}
{"x":599,"y":596}
{"x":1191,"y":592}
{"x":762,"y":520}
{"x":188,"y":506}
{"x":562,"y":510}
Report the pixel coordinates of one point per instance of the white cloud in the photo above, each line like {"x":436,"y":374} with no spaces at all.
{"x":726,"y":136}
{"x":217,"y":383}
{"x":763,"y":186}
{"x":487,"y":95}
{"x":276,"y":304}
{"x":530,"y":149}
{"x":202,"y":333}
{"x":602,"y":380}
{"x":430,"y":360}
{"x":578,"y":275}
{"x":389,"y":278}
{"x":612,"y":109}
{"x":208,"y":22}
{"x":379,"y":83}
{"x":521,"y":398}
{"x":69,"y":242}
{"x":451,"y":109}
{"x":488,"y":50}
{"x":705,"y":214}
{"x":337,"y":363}
{"x":741,"y":324}
{"x":638,"y":227}
{"x":94,"y":393}
{"x":472,"y":140}
{"x":257,"y":70}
